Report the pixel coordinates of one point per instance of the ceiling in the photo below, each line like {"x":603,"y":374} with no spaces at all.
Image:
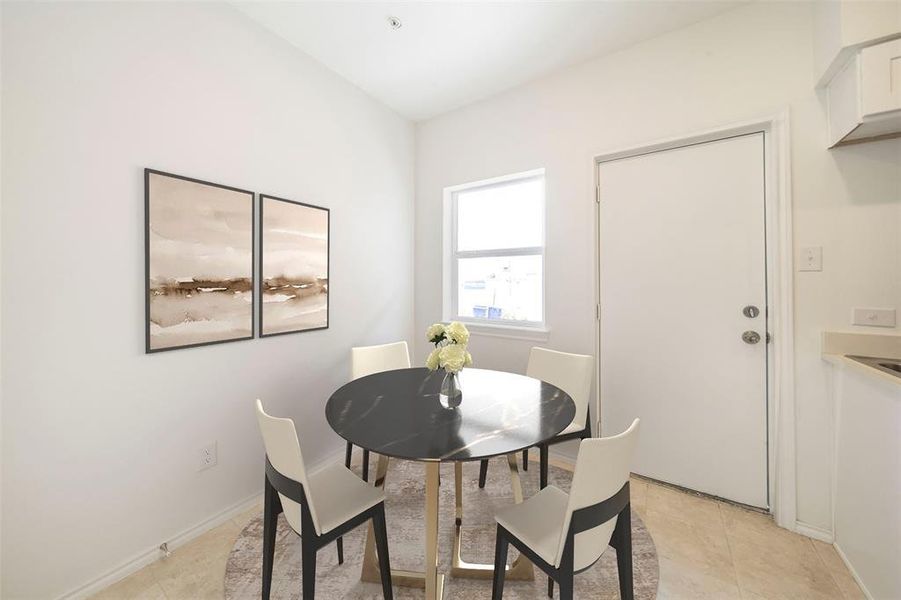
{"x":449,"y":54}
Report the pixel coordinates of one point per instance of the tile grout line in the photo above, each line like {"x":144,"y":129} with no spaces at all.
{"x":719,"y":511}
{"x":829,"y":569}
{"x":156,"y":580}
{"x":162,"y":589}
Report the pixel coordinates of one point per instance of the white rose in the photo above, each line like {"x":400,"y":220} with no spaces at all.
{"x":457,"y":332}
{"x":468,"y":359}
{"x":435,"y":333}
{"x":452,"y":358}
{"x":432,"y":361}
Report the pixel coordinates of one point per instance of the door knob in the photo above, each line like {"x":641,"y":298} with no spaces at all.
{"x":750,"y":311}
{"x":750,"y":337}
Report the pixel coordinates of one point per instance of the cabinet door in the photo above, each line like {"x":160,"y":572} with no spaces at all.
{"x":880,"y":78}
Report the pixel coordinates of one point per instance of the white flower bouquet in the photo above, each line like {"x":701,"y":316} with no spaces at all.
{"x":450,"y":351}
{"x":451,"y":355}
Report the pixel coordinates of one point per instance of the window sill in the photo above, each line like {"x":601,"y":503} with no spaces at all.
{"x":514,"y":332}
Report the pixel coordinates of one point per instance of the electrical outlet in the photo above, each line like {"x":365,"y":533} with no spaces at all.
{"x":208,"y":457}
{"x":873,"y":317}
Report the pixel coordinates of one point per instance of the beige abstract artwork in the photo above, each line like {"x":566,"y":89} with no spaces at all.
{"x":199,"y":262}
{"x":293,"y":266}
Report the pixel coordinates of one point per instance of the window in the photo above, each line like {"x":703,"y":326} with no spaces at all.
{"x":495,"y":260}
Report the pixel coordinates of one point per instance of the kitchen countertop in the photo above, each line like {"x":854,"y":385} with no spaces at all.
{"x":843,"y":361}
{"x":838,"y":346}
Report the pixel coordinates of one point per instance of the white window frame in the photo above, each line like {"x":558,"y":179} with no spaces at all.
{"x":535,"y":330}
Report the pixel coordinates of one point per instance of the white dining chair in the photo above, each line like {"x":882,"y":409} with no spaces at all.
{"x":571,"y":373}
{"x":320,"y":507}
{"x":563,"y":534}
{"x":366,"y":360}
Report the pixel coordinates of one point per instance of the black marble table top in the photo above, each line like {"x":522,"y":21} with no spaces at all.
{"x":398,"y":414}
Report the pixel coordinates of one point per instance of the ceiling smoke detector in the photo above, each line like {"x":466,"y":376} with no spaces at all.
{"x":395,"y":23}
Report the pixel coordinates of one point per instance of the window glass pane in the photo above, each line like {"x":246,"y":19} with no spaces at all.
{"x":501,"y":216}
{"x":502,"y":288}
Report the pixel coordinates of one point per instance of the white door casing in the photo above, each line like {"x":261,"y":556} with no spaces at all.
{"x":682,"y":251}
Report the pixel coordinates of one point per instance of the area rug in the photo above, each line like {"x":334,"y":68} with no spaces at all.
{"x":405,"y":488}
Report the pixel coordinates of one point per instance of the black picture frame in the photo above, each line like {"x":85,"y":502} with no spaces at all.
{"x":262,"y":257}
{"x":148,"y":349}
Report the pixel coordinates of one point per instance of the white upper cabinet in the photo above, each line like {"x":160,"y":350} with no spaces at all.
{"x":880,"y":78}
{"x":864,"y":98}
{"x":858,"y":62}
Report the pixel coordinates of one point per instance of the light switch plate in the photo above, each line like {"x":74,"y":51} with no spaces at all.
{"x":811,"y":259}
{"x":874,"y":317}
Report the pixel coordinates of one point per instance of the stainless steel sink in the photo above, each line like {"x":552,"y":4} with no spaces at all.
{"x":892,"y":366}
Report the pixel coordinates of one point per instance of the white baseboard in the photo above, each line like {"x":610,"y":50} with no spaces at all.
{"x":142,"y":559}
{"x":854,"y":574}
{"x":812,"y":531}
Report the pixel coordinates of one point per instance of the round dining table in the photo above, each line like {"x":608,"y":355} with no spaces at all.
{"x":398,"y":415}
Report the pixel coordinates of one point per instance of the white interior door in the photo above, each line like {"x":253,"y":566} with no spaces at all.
{"x":682,"y":252}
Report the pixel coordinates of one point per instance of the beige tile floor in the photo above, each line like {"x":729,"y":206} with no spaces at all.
{"x":706,"y":548}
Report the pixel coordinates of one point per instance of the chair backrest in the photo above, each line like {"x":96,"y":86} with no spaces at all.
{"x":283,"y":451}
{"x":570,"y":372}
{"x":367,"y":360}
{"x":602,"y":468}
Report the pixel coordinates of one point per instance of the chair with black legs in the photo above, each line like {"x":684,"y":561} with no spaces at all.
{"x":563,"y":534}
{"x":571,"y":373}
{"x":366,"y":360}
{"x":319,"y":507}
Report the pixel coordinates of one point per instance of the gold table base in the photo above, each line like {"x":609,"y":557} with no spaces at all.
{"x":431,"y":579}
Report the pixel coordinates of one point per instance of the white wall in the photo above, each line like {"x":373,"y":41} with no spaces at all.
{"x":100,"y":441}
{"x":746,"y":63}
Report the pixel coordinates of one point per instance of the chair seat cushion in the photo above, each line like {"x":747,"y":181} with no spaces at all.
{"x":538,"y":523}
{"x":337,"y":496}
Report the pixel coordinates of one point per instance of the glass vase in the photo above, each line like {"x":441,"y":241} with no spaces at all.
{"x":451,"y":395}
